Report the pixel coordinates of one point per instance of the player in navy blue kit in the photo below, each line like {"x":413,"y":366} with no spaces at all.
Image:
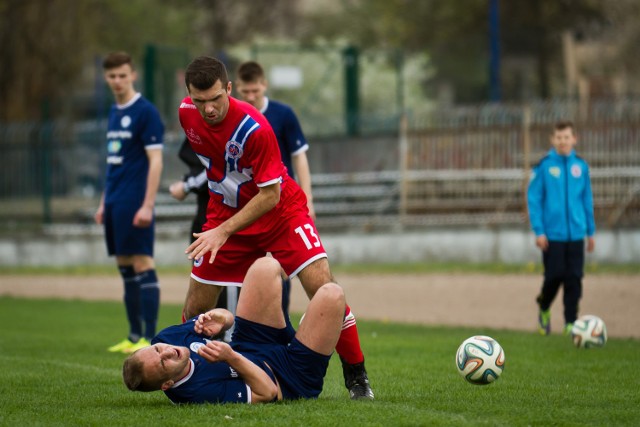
{"x":560,"y":205}
{"x":251,"y":84}
{"x":134,"y":163}
{"x":267,"y":359}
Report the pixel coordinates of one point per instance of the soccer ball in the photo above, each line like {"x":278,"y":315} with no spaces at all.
{"x":480,"y":360}
{"x":588,"y":332}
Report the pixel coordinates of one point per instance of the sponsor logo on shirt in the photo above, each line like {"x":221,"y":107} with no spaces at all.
{"x":119,"y":134}
{"x":233,"y":373}
{"x":185,"y":105}
{"x":115,"y":160}
{"x":193,"y":136}
{"x":554,"y":171}
{"x":114,"y":146}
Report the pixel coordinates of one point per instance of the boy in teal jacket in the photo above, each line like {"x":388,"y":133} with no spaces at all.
{"x":560,"y":205}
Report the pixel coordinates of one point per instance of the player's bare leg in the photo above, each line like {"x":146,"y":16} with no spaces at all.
{"x":261,"y":297}
{"x":348,"y":347}
{"x":200,"y":298}
{"x":322,"y":324}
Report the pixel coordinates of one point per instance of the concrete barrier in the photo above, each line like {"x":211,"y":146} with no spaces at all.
{"x":472,"y":245}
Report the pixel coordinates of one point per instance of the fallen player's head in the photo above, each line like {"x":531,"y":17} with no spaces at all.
{"x":156,"y":367}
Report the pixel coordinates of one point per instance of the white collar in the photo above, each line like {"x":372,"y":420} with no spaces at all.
{"x":130,"y":102}
{"x":186,"y":377}
{"x":265,"y":105}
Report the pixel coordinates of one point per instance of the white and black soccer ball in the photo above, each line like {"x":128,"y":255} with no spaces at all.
{"x":480,"y":360}
{"x":589,"y":331}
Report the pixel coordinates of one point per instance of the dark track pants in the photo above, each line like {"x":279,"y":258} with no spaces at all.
{"x":563,"y":265}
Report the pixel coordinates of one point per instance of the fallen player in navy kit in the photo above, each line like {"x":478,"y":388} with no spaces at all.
{"x":267,"y":360}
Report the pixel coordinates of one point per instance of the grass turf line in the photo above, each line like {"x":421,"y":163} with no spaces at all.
{"x":57,"y":372}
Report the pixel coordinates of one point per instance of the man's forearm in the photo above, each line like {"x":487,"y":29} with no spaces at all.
{"x":153,"y":177}
{"x":263,"y":389}
{"x":259,"y":205}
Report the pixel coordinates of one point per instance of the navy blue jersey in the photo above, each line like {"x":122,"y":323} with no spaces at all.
{"x":287,"y":129}
{"x":300,"y":371}
{"x":206,"y":382}
{"x":133,"y":128}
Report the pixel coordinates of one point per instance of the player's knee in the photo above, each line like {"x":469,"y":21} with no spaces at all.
{"x":265,"y":266}
{"x":331,"y":293}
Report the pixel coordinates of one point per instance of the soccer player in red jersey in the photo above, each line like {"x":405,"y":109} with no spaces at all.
{"x":254,"y":207}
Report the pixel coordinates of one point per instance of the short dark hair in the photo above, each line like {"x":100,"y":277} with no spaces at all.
{"x":250,"y":71}
{"x":564,"y":124}
{"x":133,"y":375}
{"x":116,"y":59}
{"x":204,"y":71}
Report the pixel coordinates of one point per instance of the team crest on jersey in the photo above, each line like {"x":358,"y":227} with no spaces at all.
{"x":195,"y":346}
{"x":234,"y":150}
{"x":554,"y":171}
{"x":193,"y":136}
{"x":576,"y":171}
{"x":125,"y":121}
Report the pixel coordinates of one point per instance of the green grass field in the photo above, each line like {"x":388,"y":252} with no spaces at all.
{"x":56,"y":372}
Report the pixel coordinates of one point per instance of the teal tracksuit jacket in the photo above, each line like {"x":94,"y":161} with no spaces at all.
{"x":559,"y":198}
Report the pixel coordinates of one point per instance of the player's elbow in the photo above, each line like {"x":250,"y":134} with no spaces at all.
{"x":269,"y":394}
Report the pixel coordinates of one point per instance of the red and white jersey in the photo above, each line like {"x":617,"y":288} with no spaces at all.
{"x":240,"y":154}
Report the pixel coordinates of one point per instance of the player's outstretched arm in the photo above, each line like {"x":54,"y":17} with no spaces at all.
{"x":262,"y":387}
{"x":213,"y":239}
{"x":213,"y":322}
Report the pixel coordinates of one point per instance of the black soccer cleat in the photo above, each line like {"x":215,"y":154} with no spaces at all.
{"x":356,"y":381}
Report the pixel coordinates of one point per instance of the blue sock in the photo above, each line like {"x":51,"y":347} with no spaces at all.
{"x":149,"y":301}
{"x":131,"y":301}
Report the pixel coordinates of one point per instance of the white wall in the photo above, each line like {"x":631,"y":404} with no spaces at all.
{"x":511,"y":246}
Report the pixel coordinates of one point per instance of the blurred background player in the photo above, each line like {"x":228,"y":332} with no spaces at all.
{"x":251,"y":84}
{"x":254,"y":207}
{"x":134,"y":163}
{"x":195,"y":181}
{"x":560,"y":205}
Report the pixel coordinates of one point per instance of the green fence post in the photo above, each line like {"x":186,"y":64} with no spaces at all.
{"x":46,"y":141}
{"x":352,"y":90}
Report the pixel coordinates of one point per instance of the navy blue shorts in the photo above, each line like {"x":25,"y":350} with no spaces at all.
{"x":300,"y":371}
{"x":121,"y":236}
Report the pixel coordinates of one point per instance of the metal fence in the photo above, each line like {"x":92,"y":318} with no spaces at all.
{"x":464,"y":166}
{"x":470,"y":166}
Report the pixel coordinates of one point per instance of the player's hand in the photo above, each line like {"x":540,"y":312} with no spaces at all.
{"x":542,"y":242}
{"x":215,"y":351}
{"x":177,"y":190}
{"x":98,"y":216}
{"x":143,"y":217}
{"x":210,"y":323}
{"x":591,"y":244}
{"x":207,"y":241}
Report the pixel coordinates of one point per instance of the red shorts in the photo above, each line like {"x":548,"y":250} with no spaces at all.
{"x":294,"y":242}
